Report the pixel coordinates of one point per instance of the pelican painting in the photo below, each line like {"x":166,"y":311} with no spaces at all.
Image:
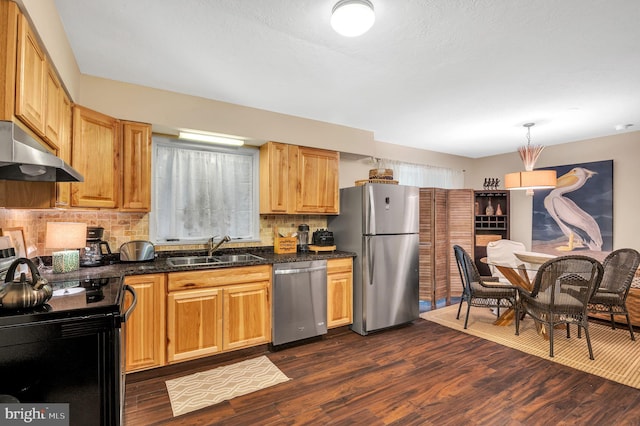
{"x":580,"y":228}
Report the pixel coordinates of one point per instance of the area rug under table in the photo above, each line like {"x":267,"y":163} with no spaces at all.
{"x":206,"y":388}
{"x":617,"y":357}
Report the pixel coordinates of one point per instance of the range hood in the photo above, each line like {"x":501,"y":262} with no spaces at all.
{"x":24,"y":158}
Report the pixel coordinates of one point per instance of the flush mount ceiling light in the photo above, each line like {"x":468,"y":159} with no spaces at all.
{"x":352,"y":18}
{"x":201,"y":137}
{"x":530,"y":179}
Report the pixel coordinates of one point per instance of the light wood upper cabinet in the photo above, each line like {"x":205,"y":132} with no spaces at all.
{"x":316,"y":172}
{"x":136,"y":166}
{"x":145,"y":328}
{"x":298,"y":180}
{"x":54,"y":105}
{"x":63,"y":189}
{"x":30,"y":79}
{"x":9,"y":18}
{"x":339,"y":292}
{"x":96,"y":155}
{"x":274,"y":178}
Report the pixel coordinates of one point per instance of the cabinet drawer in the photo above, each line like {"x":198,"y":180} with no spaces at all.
{"x":218,"y":277}
{"x":339,"y":265}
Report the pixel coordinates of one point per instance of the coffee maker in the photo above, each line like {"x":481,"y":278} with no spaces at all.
{"x":92,"y":254}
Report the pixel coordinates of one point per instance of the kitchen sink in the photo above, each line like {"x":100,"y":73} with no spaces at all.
{"x":212,"y":260}
{"x":230,"y":258}
{"x":192,"y":260}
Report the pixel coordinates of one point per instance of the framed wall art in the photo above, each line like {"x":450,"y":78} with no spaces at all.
{"x":17,"y":240}
{"x":575,"y":217}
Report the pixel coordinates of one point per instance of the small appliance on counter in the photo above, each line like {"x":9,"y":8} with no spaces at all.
{"x":323,"y":238}
{"x":92,"y":254}
{"x":137,"y":251}
{"x":303,"y":238}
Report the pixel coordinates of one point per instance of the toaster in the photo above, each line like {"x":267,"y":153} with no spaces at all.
{"x":323,"y":237}
{"x":137,"y":251}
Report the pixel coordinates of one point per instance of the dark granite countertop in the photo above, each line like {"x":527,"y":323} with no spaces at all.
{"x":160,"y":265}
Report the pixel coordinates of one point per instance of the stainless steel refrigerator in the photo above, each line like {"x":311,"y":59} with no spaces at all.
{"x":379,"y":222}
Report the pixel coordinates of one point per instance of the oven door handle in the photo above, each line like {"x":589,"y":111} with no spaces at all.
{"x":128,"y":312}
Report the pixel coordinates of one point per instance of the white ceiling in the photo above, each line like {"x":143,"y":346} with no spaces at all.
{"x":454,"y":76}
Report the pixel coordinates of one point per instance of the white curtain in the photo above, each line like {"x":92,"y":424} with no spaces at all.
{"x":200,"y":192}
{"x":425,"y":176}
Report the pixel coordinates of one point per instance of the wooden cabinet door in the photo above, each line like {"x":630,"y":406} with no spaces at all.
{"x":247,"y":315}
{"x":194,"y":324}
{"x":274,"y":178}
{"x":339,"y":292}
{"x":316,"y":171}
{"x":30,"y":83}
{"x":54,"y":104}
{"x":63,"y":189}
{"x":96,"y":155}
{"x":146,"y":341}
{"x":136,"y":166}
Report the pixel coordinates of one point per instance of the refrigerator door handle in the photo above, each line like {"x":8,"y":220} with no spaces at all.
{"x":370,"y":260}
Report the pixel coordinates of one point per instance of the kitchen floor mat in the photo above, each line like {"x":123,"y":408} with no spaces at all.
{"x":199,"y":390}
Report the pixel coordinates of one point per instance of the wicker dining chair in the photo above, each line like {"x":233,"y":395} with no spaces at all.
{"x":610,"y":299}
{"x":475,"y":290}
{"x":561,"y":290}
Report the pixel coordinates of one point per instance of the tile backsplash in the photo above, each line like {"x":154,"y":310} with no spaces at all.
{"x":120,"y":227}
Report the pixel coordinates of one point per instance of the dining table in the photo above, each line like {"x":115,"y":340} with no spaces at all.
{"x":520,"y":274}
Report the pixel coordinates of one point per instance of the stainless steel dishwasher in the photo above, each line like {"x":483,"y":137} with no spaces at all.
{"x":299,"y":308}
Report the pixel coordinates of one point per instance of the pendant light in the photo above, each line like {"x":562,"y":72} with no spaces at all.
{"x":530,"y":179}
{"x":352,"y":18}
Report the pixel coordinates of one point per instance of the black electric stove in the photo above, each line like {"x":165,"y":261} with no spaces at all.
{"x":69,"y":350}
{"x":79,"y":297}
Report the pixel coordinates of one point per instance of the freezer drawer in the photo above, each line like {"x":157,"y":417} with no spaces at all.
{"x":299,"y":308}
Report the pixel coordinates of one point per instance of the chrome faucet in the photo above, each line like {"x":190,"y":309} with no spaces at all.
{"x":213,"y":248}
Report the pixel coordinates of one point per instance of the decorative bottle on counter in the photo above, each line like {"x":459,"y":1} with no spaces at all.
{"x":489,"y":210}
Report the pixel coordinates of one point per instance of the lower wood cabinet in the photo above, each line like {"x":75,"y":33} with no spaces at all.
{"x":187,"y":315}
{"x":339,"y":292}
{"x":217,"y":310}
{"x":246,"y":315}
{"x":194,"y":323}
{"x":145,"y":329}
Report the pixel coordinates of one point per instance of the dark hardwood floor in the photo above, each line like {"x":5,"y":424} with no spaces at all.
{"x":420,"y":374}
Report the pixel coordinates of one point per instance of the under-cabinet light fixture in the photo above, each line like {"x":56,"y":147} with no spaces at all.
{"x":201,"y":137}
